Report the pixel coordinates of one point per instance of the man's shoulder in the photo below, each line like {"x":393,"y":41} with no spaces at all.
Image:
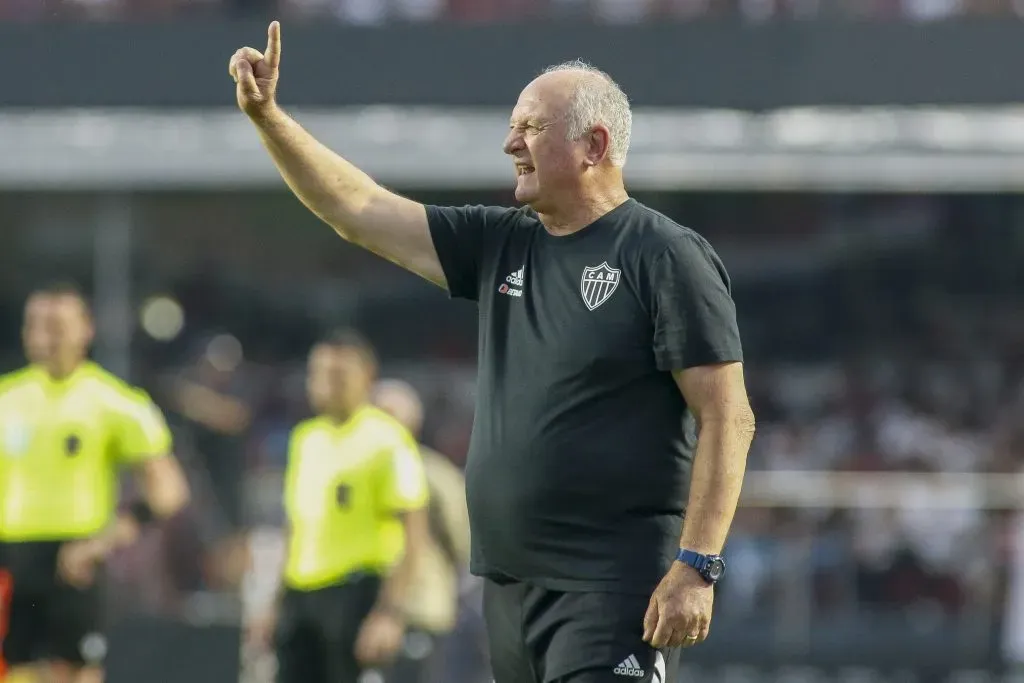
{"x":488,"y":216}
{"x":513,"y":217}
{"x":14,"y":382}
{"x":19,"y":377}
{"x":96,"y":374}
{"x":379,"y":422}
{"x":661,"y":231}
{"x":114,"y":393}
{"x":304,"y":428}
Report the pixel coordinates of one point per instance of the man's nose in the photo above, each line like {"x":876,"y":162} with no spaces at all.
{"x":513,"y":142}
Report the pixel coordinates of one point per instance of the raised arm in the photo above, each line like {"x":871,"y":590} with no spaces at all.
{"x":358,"y":209}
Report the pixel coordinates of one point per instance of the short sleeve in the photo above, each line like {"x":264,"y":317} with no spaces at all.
{"x":460,"y":236}
{"x":693,"y":311}
{"x":140,"y":430}
{"x":288,"y":492}
{"x":404,"y":481}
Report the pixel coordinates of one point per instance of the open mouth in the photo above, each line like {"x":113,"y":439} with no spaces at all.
{"x":523,"y":169}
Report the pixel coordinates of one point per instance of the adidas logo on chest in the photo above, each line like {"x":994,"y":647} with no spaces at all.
{"x":513,"y":284}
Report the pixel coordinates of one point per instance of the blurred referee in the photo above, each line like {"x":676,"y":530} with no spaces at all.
{"x":354,"y":498}
{"x":608,"y":341}
{"x":67,"y":426}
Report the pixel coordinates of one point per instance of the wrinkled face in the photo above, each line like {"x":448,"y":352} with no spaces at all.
{"x":57,"y":331}
{"x":547,"y":164}
{"x":338,"y":379}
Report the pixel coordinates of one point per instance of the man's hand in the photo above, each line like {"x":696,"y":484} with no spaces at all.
{"x":380,"y":638}
{"x":77,"y":561}
{"x":679,"y":614}
{"x":259,"y":631}
{"x":255,"y":74}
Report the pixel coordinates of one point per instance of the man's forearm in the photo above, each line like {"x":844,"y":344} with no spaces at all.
{"x":395,"y":590}
{"x":350,"y":201}
{"x":331,"y":187}
{"x":716,"y":482}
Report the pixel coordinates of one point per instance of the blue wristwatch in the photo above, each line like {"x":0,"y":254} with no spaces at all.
{"x":710,"y":567}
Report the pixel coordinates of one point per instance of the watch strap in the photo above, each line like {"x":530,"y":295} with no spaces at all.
{"x":698,"y":561}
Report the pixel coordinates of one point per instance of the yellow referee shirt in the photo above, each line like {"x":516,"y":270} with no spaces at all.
{"x":344,"y":487}
{"x":62,"y":443}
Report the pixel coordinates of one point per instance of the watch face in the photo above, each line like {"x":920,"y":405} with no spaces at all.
{"x":715,"y":569}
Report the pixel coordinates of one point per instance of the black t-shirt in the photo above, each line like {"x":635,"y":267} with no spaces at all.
{"x":579,"y":463}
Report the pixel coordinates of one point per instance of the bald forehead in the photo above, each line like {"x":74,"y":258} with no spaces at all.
{"x":549,"y":93}
{"x":398,"y":396}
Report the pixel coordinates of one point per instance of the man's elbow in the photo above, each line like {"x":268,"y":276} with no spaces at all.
{"x":169,"y":491}
{"x":746,"y":423}
{"x":736,"y":418}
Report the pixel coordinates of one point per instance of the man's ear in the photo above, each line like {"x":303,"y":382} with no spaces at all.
{"x":598,"y":141}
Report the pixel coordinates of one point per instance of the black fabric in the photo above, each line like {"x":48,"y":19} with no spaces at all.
{"x":48,"y":619}
{"x":317,"y":630}
{"x":538,"y":635}
{"x":420,"y":660}
{"x":579,"y":463}
{"x":142,"y":512}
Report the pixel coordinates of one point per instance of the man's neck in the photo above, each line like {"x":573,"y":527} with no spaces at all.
{"x":340,"y":416}
{"x":59,"y":374}
{"x":579,"y":215}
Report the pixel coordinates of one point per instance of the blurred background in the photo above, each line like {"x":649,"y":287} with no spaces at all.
{"x":857,"y":163}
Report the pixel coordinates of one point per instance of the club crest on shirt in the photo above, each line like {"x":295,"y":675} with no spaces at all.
{"x":72,"y":445}
{"x":343,"y":494}
{"x":598,"y":284}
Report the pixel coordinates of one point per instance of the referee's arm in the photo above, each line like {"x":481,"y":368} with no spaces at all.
{"x":145,"y":445}
{"x":717,"y":396}
{"x":164,"y":485}
{"x":395,"y":591}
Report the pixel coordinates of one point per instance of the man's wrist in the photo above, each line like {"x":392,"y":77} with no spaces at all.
{"x":270,"y":118}
{"x":389,"y":609}
{"x":710,"y":567}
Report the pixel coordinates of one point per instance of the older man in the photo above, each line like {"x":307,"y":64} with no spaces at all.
{"x":608,"y":340}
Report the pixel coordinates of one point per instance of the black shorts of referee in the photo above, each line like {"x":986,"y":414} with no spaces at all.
{"x":47,"y":619}
{"x":317,"y":630}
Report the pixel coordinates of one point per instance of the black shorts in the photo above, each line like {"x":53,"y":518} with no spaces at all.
{"x":316,"y":631}
{"x":544,"y":636}
{"x":47,"y":619}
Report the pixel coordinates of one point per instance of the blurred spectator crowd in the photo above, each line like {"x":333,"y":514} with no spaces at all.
{"x":374,"y":12}
{"x":889,"y":338}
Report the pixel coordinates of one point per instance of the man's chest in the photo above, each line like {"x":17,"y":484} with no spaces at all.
{"x":335,"y":473}
{"x":326,"y":456}
{"x":68,"y":425}
{"x":567,"y":308}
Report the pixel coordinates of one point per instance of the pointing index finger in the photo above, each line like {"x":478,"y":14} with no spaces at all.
{"x":272,"y":55}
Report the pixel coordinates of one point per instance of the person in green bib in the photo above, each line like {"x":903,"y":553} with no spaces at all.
{"x":355,"y":497}
{"x":67,"y":428}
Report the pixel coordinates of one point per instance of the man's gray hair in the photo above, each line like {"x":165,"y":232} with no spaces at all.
{"x":598,"y":99}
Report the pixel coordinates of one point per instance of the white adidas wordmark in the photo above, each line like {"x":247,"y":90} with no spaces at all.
{"x":630,"y":667}
{"x":513,"y":284}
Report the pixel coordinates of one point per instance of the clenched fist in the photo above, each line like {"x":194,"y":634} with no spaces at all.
{"x":255,"y":74}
